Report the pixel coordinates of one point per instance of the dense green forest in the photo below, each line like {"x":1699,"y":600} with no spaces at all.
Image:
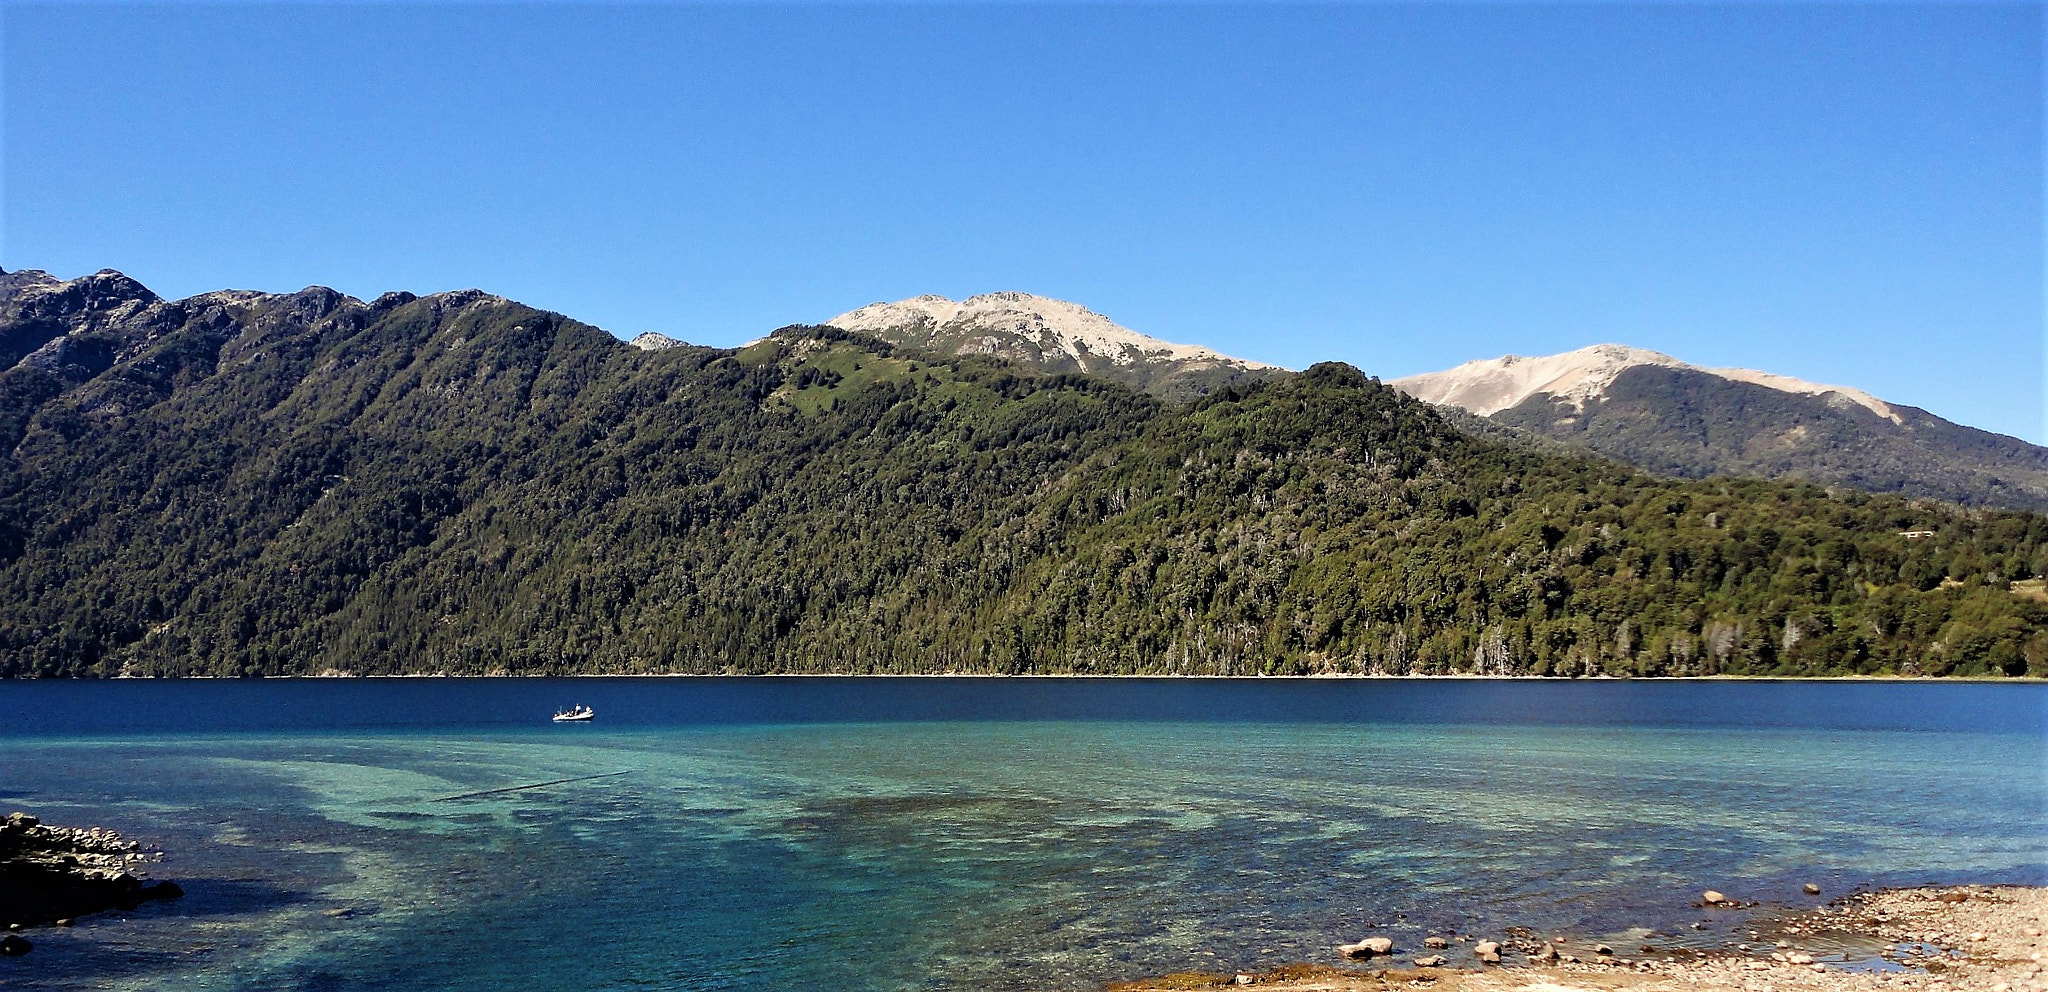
{"x":240,"y":484}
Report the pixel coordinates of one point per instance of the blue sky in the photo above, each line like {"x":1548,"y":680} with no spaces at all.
{"x":1846,"y":193}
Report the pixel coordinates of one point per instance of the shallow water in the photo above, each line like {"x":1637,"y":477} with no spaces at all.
{"x":771,"y":834}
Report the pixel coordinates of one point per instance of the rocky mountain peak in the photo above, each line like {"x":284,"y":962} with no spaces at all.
{"x":1488,"y":386}
{"x":1053,"y":326}
{"x":1050,"y":334}
{"x":652,"y":341}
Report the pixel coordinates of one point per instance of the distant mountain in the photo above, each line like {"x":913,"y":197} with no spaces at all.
{"x":1053,"y":336}
{"x":1664,"y":415}
{"x":246,"y":483}
{"x":653,"y":341}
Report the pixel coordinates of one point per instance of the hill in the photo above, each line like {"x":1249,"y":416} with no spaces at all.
{"x":244,"y":483}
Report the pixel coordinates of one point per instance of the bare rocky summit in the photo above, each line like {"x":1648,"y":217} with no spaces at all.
{"x":1056,"y":336}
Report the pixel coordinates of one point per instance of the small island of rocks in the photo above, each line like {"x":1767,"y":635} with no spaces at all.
{"x":53,"y":875}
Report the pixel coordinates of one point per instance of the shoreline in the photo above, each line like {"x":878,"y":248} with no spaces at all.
{"x":1934,"y":938}
{"x":1055,"y":676}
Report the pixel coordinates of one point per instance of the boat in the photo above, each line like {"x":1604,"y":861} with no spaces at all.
{"x":576,"y":714}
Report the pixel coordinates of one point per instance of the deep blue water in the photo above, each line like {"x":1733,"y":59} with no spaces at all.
{"x":900,"y":834}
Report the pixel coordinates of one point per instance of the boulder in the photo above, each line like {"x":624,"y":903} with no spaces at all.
{"x":164,"y":890}
{"x":12,"y":944}
{"x":1435,"y":943}
{"x":1810,"y":889}
{"x":1487,"y":951}
{"x":1602,"y":949}
{"x":1712,"y":898}
{"x":1366,"y":948}
{"x":1546,"y":953}
{"x":1432,"y":961}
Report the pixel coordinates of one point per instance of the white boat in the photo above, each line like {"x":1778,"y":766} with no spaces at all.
{"x":575,"y":714}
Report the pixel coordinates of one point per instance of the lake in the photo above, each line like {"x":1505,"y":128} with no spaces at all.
{"x":894,"y":834}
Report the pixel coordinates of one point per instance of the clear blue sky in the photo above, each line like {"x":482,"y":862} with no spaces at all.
{"x":1848,"y":193}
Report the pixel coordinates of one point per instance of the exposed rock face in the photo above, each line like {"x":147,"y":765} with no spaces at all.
{"x":1056,"y":336}
{"x":58,"y":873}
{"x":1489,"y":386}
{"x":651,"y":341}
{"x":1656,"y":412}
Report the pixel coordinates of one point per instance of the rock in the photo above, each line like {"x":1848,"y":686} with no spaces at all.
{"x":12,"y":944}
{"x":1366,"y":948}
{"x":1243,"y":979}
{"x":1547,"y":952}
{"x":1799,"y":958}
{"x":164,"y":890}
{"x":1487,"y":951}
{"x":1437,"y":943}
{"x":1954,"y":897}
{"x":1712,"y":898}
{"x":1432,"y":961}
{"x":1602,"y":949}
{"x":1810,"y":889}
{"x":66,"y":922}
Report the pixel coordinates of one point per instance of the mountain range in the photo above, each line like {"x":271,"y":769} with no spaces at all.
{"x":1641,"y":407}
{"x":243,"y":483}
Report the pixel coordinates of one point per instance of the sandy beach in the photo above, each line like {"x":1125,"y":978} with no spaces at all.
{"x":1982,"y":939}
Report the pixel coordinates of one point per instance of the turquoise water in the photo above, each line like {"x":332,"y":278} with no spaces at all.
{"x":787,"y":834}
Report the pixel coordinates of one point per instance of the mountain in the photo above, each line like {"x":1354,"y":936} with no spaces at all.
{"x":1664,"y":415}
{"x":245,"y":483}
{"x":1054,"y":336}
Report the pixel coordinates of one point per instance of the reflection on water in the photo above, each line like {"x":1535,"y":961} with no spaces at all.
{"x":986,"y":855}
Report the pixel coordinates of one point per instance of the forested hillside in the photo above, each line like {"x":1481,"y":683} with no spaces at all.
{"x":244,"y":484}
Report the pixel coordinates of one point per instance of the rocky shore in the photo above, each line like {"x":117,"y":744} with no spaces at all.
{"x":53,"y":875}
{"x":1967,"y":939}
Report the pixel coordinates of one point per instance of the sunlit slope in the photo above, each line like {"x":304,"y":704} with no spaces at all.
{"x":244,"y":483}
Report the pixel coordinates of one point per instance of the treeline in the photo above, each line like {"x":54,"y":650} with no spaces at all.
{"x":249,"y":485}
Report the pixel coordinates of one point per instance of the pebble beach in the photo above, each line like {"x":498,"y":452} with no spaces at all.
{"x":1976,"y":938}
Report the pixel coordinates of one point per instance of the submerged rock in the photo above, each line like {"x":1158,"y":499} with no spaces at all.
{"x":1366,"y":948}
{"x":12,"y":944}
